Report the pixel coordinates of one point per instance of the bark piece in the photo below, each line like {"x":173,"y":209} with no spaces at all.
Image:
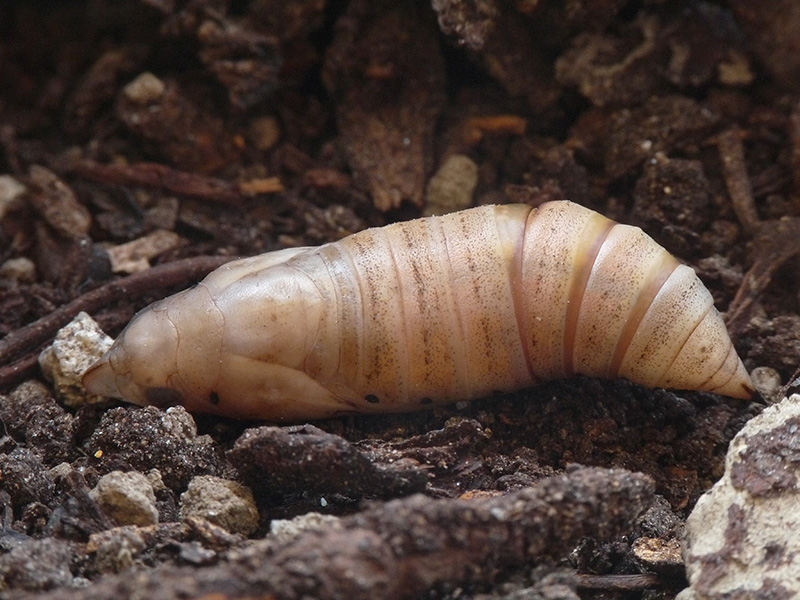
{"x":173,"y":126}
{"x":55,"y":201}
{"x":386,"y":68}
{"x":269,"y":459}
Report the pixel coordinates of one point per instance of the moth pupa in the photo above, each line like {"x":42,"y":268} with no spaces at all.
{"x":425,"y":312}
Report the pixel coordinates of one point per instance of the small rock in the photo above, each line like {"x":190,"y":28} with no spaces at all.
{"x":115,"y":550}
{"x":76,"y":347}
{"x":223,"y":502}
{"x":660,"y":520}
{"x":284,"y":530}
{"x":11,"y":190}
{"x":144,"y":89}
{"x":265,"y":132}
{"x":18,"y":270}
{"x":661,"y":556}
{"x":155,"y":479}
{"x":736,"y":70}
{"x":134,"y":256}
{"x":127,"y":498}
{"x":451,"y":188}
{"x":768,"y":383}
{"x":178,"y":422}
{"x":741,"y":538}
{"x":61,"y":470}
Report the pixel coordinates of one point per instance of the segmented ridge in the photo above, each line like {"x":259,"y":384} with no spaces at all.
{"x":688,"y":335}
{"x":721,"y":366}
{"x":585,"y":265}
{"x":643,"y":302}
{"x":518,"y":288}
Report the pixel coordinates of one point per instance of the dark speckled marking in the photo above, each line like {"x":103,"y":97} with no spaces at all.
{"x":163,"y":397}
{"x":214,"y":398}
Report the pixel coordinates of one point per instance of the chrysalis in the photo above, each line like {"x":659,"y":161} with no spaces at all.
{"x":425,"y":312}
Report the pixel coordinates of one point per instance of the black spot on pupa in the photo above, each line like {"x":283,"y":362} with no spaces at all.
{"x":372,"y":398}
{"x":163,"y":397}
{"x":214,"y":398}
{"x":426,"y":401}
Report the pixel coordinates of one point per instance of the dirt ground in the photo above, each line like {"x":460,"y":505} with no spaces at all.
{"x":209,"y":129}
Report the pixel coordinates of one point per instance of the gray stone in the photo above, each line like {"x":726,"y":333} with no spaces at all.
{"x":768,"y":383}
{"x":452,"y":186}
{"x":116,"y":550}
{"x":37,"y":565}
{"x":741,"y":538}
{"x":146,"y":88}
{"x":127,"y":498}
{"x":223,"y":502}
{"x":76,"y":347}
{"x":11,"y":193}
{"x":285,"y":530}
{"x":18,"y":270}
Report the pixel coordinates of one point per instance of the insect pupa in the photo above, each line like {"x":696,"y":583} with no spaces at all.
{"x":425,"y":312}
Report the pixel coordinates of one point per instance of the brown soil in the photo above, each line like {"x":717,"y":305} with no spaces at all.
{"x":248,"y":126}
